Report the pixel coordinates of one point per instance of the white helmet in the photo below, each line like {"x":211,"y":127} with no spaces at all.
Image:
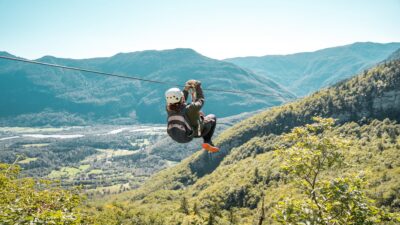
{"x":173,"y":95}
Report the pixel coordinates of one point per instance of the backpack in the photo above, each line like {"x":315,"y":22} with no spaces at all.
{"x":178,"y":127}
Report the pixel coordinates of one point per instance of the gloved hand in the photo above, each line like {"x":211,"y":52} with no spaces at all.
{"x":191,"y":84}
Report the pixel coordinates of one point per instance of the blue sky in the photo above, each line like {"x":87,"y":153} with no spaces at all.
{"x":215,"y":28}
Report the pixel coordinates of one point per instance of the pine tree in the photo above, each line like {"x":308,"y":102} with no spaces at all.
{"x":184,"y":206}
{"x":196,"y":210}
{"x":261,"y":216}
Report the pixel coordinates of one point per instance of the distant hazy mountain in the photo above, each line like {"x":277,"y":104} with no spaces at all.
{"x":37,"y":95}
{"x":303,"y":73}
{"x":395,"y":55}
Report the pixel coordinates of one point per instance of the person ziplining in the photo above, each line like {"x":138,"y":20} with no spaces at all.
{"x":185,"y":120}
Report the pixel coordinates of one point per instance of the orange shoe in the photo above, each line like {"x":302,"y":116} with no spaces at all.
{"x":209,"y":147}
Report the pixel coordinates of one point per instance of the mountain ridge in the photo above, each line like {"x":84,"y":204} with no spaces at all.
{"x":355,"y":44}
{"x":87,"y":98}
{"x":305,"y":72}
{"x":107,"y":98}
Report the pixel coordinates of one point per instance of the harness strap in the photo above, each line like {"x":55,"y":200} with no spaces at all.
{"x":180,"y":119}
{"x":180,"y":127}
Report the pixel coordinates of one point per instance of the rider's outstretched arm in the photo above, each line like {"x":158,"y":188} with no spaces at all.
{"x":199,"y":101}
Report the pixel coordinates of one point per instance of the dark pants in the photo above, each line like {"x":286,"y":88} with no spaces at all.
{"x":210,"y":122}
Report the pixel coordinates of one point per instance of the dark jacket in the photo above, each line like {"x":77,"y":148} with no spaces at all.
{"x":193,"y":111}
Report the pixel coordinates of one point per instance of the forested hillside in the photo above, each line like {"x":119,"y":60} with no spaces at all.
{"x":245,"y":182}
{"x":32,"y":95}
{"x":304,"y":73}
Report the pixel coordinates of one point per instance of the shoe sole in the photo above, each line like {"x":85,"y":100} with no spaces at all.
{"x":210,"y":148}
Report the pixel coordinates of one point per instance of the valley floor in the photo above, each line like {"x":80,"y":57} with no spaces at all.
{"x":104,"y":159}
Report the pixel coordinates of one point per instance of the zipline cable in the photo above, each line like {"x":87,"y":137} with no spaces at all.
{"x":128,"y":77}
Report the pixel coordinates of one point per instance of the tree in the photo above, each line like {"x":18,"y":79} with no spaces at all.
{"x":261,"y":216}
{"x":314,"y":150}
{"x":257,"y":178}
{"x":231,"y":216}
{"x":196,"y":210}
{"x":184,"y":206}
{"x":211,"y":219}
{"x":36,"y":201}
{"x":214,"y":211}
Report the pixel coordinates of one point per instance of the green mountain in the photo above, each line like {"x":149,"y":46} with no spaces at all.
{"x":304,"y":73}
{"x":229,"y":187}
{"x":37,"y":95}
{"x":395,"y":55}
